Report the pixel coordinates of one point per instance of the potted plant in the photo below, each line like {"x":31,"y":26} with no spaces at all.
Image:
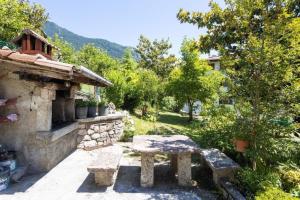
{"x":103,"y":109}
{"x":92,"y":107}
{"x":241,"y":142}
{"x":81,"y":109}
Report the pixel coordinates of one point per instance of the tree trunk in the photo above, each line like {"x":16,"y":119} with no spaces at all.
{"x":144,"y":110}
{"x":191,"y":105}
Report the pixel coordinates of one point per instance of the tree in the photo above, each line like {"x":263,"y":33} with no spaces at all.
{"x":66,"y":52}
{"x":133,"y":86}
{"x":155,"y":56}
{"x":259,"y":44}
{"x":116,"y":93}
{"x":122,"y":93}
{"x":96,"y":59}
{"x":194,"y":79}
{"x":17,"y":15}
{"x":128,"y":62}
{"x":146,"y":89}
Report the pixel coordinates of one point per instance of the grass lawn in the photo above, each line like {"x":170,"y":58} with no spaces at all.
{"x":167,"y":123}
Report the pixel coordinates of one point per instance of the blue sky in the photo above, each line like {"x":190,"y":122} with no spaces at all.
{"x":123,"y":21}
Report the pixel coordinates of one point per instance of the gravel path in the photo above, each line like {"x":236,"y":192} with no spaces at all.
{"x":69,"y":180}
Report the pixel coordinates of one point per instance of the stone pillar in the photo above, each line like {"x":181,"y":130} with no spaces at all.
{"x":184,"y":169}
{"x":43,"y":106}
{"x":173,"y":159}
{"x":147,"y":170}
{"x":104,"y":178}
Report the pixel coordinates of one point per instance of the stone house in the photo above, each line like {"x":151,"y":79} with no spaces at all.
{"x":37,"y":104}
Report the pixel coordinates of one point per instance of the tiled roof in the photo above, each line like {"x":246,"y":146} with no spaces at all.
{"x":77,"y":74}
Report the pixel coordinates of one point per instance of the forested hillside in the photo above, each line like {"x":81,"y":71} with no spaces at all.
{"x":114,"y":49}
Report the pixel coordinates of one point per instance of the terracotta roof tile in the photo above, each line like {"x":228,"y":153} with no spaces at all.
{"x":43,"y":62}
{"x":5,"y":52}
{"x":54,"y":64}
{"x":25,"y":58}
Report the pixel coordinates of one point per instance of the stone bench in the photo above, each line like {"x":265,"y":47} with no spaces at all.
{"x":220,"y":164}
{"x":230,"y":191}
{"x":106,"y":165}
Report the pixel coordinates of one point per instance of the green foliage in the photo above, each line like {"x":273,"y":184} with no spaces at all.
{"x":92,"y":102}
{"x":133,"y":86}
{"x":253,"y":182}
{"x":17,"y":15}
{"x":194,"y":80}
{"x":102,"y":103}
{"x":168,"y":104}
{"x":290,"y":179}
{"x":128,"y":62}
{"x":259,"y":44}
{"x":96,"y":59}
{"x":8,"y":44}
{"x":116,"y":93}
{"x":215,"y":129}
{"x":155,"y":56}
{"x":151,"y":114}
{"x":81,"y":103}
{"x":66,"y":52}
{"x":129,"y":130}
{"x":77,"y":41}
{"x":147,"y":86}
{"x":273,"y":193}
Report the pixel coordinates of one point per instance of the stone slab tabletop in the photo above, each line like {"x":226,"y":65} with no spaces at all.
{"x":108,"y":159}
{"x":172,"y":144}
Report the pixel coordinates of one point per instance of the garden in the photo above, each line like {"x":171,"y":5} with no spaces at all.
{"x":259,"y":73}
{"x":258,"y":43}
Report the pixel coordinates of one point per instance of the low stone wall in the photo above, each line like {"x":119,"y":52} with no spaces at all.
{"x":99,"y":131}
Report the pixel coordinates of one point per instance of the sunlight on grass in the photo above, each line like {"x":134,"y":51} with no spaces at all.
{"x":167,"y":123}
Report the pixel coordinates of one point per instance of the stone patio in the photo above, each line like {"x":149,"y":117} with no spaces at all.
{"x":71,"y":180}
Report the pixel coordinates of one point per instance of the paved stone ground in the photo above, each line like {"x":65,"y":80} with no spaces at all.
{"x":69,"y":180}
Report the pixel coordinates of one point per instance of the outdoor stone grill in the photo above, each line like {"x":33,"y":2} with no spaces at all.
{"x":44,"y":129}
{"x":99,"y":131}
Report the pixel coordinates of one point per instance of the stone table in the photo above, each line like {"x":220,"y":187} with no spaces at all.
{"x":178,"y":146}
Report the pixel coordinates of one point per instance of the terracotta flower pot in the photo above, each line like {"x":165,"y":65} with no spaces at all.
{"x":241,"y":145}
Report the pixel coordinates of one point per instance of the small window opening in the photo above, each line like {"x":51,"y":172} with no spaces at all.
{"x":49,"y":50}
{"x":43,"y":47}
{"x":32,"y":43}
{"x":63,"y":110}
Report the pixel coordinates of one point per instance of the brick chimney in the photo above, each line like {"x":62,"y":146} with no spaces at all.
{"x":32,"y":43}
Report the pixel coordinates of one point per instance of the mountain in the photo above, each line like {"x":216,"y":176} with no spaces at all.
{"x":113,"y":49}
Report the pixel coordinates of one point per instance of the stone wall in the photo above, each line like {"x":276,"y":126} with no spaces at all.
{"x":100,"y":131}
{"x":34,"y":109}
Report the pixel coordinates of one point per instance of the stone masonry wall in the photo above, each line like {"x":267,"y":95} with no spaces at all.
{"x":92,"y":135}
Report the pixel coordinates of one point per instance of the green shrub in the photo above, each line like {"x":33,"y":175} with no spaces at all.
{"x":129,"y":128}
{"x":127,"y":136}
{"x":252,"y":182}
{"x":168,"y":104}
{"x":92,"y":102}
{"x":81,"y":103}
{"x":102,"y":103}
{"x":151,"y":115}
{"x":290,"y":177}
{"x":273,"y":193}
{"x":215,"y":130}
